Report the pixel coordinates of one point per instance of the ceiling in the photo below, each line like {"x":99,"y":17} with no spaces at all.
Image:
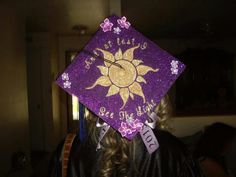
{"x":155,"y":18}
{"x":182,"y":18}
{"x":61,"y":15}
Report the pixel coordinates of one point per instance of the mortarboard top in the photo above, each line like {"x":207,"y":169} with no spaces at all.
{"x":121,"y":75}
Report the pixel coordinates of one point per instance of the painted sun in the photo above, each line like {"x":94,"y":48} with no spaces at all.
{"x":125,"y":80}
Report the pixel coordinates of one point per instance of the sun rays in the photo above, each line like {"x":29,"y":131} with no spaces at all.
{"x":125,"y":81}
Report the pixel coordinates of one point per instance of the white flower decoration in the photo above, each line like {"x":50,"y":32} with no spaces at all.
{"x":117,"y":30}
{"x":65,"y":76}
{"x":67,"y":84}
{"x":174,"y":71}
{"x":174,"y":64}
{"x":174,"y":67}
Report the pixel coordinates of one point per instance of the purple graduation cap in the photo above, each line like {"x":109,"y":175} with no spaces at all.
{"x":121,"y":76}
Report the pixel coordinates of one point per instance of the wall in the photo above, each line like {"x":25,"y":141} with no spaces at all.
{"x":14,"y":133}
{"x":41,"y":118}
{"x":183,"y":126}
{"x":55,"y":90}
{"x":67,"y":43}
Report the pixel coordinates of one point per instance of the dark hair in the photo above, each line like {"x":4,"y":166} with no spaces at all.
{"x":214,"y":140}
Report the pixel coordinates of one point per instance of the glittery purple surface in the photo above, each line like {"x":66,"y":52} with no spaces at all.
{"x":84,"y":72}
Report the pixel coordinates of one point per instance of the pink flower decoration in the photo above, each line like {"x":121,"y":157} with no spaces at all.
{"x":136,"y":125}
{"x":106,"y":25}
{"x":123,"y":23}
{"x":129,"y":131}
{"x":124,"y":129}
{"x":130,"y":127}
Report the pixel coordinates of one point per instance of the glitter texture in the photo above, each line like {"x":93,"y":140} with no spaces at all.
{"x":130,"y":83}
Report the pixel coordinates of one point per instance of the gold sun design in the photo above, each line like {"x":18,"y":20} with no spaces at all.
{"x":126,"y":79}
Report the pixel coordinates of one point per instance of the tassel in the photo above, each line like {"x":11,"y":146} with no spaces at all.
{"x":82,"y":129}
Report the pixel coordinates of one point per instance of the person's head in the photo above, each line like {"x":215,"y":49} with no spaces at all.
{"x":117,"y":150}
{"x":215,"y":140}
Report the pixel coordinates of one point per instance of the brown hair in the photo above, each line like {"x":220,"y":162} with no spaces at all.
{"x":116,"y":156}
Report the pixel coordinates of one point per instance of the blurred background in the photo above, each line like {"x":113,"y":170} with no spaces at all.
{"x":39,"y":38}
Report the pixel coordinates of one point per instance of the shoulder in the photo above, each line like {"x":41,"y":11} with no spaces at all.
{"x":175,"y":154}
{"x":171,"y":146}
{"x":169,"y":141}
{"x":212,"y":169}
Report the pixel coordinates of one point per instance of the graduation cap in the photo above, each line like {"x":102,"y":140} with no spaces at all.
{"x":121,"y":76}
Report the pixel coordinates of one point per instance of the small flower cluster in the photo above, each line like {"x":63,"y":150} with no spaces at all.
{"x":129,"y":127}
{"x":123,"y":23}
{"x":107,"y":25}
{"x":174,"y":67}
{"x":65,"y":78}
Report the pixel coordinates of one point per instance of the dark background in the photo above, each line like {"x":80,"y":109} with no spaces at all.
{"x":36,"y":37}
